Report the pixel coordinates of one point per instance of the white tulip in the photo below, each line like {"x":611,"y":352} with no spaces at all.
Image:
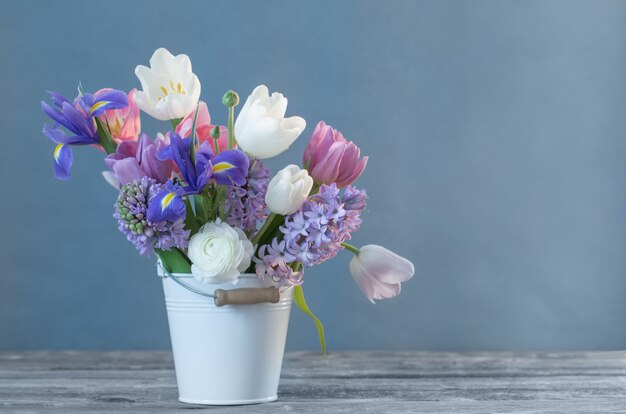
{"x":219,"y":253}
{"x":170,"y":89}
{"x":379,"y":271}
{"x":288,"y":189}
{"x":261,"y":128}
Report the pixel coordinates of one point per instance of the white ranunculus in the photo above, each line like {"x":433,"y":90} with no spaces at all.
{"x":261,"y":128}
{"x":170,"y":89}
{"x":219,"y":253}
{"x":379,"y":271}
{"x":288,"y":189}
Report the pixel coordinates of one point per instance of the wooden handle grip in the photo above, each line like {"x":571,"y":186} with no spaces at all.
{"x":246,"y":296}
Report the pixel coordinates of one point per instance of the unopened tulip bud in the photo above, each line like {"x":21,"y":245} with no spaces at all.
{"x":288,"y":189}
{"x":230,"y":99}
{"x":215,"y":132}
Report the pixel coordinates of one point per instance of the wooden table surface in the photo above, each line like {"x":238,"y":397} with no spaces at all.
{"x":352,"y":382}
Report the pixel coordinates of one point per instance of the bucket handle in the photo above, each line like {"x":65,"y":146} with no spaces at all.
{"x":239,"y":296}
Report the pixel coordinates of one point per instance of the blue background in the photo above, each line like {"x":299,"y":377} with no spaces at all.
{"x":496,"y":134}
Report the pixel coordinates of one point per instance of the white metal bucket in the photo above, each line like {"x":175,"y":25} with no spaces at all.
{"x":225,"y":355}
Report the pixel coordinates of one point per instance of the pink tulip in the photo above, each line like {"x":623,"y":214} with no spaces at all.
{"x":125,"y":123}
{"x":379,"y":272}
{"x":203,"y":128}
{"x":331,"y":159}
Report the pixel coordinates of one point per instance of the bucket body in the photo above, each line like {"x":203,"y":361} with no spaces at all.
{"x":226,"y":355}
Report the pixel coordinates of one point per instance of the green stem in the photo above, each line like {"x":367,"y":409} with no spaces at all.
{"x":266,"y":226}
{"x":192,"y":137}
{"x":231,"y":127}
{"x":351,"y":248}
{"x":175,"y":122}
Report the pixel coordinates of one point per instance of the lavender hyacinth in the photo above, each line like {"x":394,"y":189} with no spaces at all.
{"x":131,"y":212}
{"x":276,"y":264}
{"x":312,"y":234}
{"x":245,"y":204}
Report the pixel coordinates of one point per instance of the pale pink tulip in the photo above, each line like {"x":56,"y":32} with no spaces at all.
{"x":330,"y":158}
{"x":203,"y":128}
{"x":125,"y":123}
{"x":379,"y":272}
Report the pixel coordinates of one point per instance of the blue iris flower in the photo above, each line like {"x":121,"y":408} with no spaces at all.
{"x":167,"y":205}
{"x":227,"y":168}
{"x":78,"y":120}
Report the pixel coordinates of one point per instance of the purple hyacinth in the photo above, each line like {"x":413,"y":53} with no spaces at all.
{"x":275,"y":263}
{"x":246,"y":203}
{"x":314,"y":233}
{"x":131,"y":212}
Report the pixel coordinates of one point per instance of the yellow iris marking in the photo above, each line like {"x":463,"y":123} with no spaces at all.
{"x":97,"y":106}
{"x":221,"y":166}
{"x":57,"y":152}
{"x":167,"y":200}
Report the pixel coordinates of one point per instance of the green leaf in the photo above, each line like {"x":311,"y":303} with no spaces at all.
{"x":191,"y":222}
{"x":174,"y":260}
{"x":105,"y":137}
{"x":298,"y":298}
{"x":201,"y":206}
{"x":267,"y":231}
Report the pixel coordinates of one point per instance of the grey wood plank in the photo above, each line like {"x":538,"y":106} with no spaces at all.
{"x":94,"y":382}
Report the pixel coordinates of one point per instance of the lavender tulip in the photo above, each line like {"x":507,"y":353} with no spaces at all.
{"x":378,"y":271}
{"x":330,"y":158}
{"x":134,"y":160}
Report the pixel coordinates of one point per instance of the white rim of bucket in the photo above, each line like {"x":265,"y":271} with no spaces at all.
{"x":164,"y":274}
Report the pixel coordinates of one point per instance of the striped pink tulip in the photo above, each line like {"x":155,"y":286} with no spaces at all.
{"x":125,"y":123}
{"x":331,"y":159}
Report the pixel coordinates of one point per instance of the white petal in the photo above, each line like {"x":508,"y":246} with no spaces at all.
{"x":161,"y":60}
{"x":276,"y":105}
{"x":110,"y":178}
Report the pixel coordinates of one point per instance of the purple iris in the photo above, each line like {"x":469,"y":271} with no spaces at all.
{"x":168,"y":204}
{"x":103,"y":100}
{"x":78,"y":119}
{"x":227,"y":168}
{"x":62,"y":153}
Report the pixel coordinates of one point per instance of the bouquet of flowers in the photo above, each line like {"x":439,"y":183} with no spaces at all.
{"x":199,"y":196}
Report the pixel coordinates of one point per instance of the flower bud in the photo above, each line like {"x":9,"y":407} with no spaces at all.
{"x":330,"y":158}
{"x":215,"y":132}
{"x":288,"y":189}
{"x":230,"y":99}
